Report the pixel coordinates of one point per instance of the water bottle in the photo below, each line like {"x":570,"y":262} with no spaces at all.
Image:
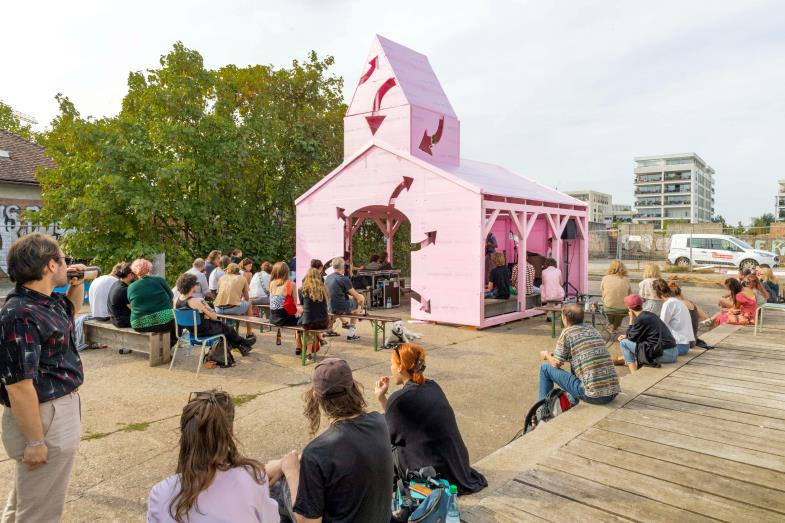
{"x":388,"y":305}
{"x":453,"y":512}
{"x":185,"y":340}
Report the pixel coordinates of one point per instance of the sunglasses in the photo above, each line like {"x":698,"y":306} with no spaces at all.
{"x":67,"y":259}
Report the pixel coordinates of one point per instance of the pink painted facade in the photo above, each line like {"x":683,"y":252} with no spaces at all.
{"x":402,"y":162}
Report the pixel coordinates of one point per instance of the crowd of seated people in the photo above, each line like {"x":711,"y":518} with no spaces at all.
{"x":214,"y":481}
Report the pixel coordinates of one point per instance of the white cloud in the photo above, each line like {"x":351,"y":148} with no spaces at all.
{"x":563,"y":92}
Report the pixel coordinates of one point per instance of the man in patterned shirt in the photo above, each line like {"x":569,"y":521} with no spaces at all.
{"x":593,"y":378}
{"x":40,"y":372}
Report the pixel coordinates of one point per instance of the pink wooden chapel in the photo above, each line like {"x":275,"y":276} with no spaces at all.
{"x":402,"y":162}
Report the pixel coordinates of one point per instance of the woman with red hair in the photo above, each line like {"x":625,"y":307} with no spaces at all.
{"x":151,"y":301}
{"x":422,"y":425}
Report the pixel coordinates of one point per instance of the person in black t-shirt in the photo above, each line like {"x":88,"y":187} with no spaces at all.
{"x":499,"y":279}
{"x":119,"y":306}
{"x":346,"y":473}
{"x":648,"y":340}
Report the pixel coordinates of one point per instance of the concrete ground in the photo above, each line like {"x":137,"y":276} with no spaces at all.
{"x":130,"y":411}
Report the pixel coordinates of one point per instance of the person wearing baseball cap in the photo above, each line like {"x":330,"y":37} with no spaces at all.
{"x":346,"y":472}
{"x":648,"y":340}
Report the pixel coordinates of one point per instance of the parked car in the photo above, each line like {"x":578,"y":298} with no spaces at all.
{"x":718,"y":249}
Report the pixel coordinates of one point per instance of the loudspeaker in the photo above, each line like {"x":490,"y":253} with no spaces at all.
{"x":570,"y":232}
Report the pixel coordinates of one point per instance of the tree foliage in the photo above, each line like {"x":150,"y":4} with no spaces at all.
{"x":196,"y":160}
{"x":761,"y":224}
{"x":10,"y":122}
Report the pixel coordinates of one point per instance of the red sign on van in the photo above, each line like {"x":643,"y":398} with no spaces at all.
{"x":722,"y":256}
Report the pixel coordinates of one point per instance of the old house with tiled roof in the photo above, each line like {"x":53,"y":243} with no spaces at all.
{"x":19,"y":188}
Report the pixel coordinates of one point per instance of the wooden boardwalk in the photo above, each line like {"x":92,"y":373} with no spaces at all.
{"x":704,"y":443}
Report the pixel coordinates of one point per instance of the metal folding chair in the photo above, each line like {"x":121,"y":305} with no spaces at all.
{"x":192,"y":318}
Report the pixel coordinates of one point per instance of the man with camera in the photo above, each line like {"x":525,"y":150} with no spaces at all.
{"x":40,"y":373}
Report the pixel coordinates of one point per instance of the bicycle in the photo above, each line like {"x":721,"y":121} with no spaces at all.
{"x":592,"y":304}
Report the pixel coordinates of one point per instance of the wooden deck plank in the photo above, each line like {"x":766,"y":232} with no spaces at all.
{"x":739,"y":389}
{"x":688,"y":374}
{"x":764,"y":440}
{"x":753,"y":345}
{"x":701,"y":389}
{"x":743,"y":363}
{"x":770,"y":479}
{"x":712,"y":412}
{"x":601,"y":497}
{"x":520,"y":501}
{"x":726,"y":372}
{"x":747,"y":352}
{"x":696,"y":444}
{"x":697,"y":505}
{"x":743,"y":493}
{"x":481,"y":514}
{"x":707,"y":397}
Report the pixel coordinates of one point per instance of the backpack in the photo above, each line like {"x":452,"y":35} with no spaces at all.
{"x":432,"y":509}
{"x":288,"y":302}
{"x":216,"y":354}
{"x":556,"y":402}
{"x":420,"y":497}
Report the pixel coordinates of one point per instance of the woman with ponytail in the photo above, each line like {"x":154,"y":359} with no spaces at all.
{"x":422,"y":425}
{"x":214,"y":482}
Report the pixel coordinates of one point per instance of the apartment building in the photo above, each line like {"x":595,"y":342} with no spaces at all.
{"x":621,"y":212}
{"x":600,"y":204}
{"x":673,"y":187}
{"x":779,"y":210}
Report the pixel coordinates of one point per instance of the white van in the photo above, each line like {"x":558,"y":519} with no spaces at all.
{"x":718,"y":249}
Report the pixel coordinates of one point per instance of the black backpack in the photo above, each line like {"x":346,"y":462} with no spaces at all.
{"x":556,"y":402}
{"x":216,"y":354}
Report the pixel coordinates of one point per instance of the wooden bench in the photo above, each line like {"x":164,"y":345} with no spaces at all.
{"x":378,"y":322}
{"x":305,"y":334}
{"x":154,"y":344}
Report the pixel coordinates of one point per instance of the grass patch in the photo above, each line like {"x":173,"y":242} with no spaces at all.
{"x":241,"y":399}
{"x":136,"y":427}
{"x":94,"y":435}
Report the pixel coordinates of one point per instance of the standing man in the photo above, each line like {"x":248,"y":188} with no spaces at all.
{"x":40,"y":373}
{"x":202,"y":288}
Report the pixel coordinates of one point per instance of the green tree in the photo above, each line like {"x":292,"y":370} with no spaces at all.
{"x":10,"y":122}
{"x":196,"y":160}
{"x":761,"y":224}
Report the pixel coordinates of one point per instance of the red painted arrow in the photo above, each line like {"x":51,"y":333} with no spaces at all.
{"x":386,"y":86}
{"x":405,"y":184}
{"x":374,"y":122}
{"x":428,"y":141}
{"x":429,"y":240}
{"x":340,"y":213}
{"x":425,"y":304}
{"x":372,"y":67}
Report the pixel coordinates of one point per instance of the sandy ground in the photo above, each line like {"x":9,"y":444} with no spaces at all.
{"x":130,"y":411}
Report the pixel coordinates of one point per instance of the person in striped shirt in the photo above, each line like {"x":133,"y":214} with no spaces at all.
{"x":593,"y":378}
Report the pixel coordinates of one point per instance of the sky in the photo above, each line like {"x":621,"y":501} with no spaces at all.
{"x":564,"y":92}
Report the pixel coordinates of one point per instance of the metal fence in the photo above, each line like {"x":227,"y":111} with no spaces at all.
{"x":643,"y":243}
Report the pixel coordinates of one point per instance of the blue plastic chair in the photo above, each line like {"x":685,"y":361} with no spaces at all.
{"x":192,"y":318}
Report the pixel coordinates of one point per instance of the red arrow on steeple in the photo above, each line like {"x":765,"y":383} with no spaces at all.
{"x":372,"y":67}
{"x":374,"y":122}
{"x":428,"y":141}
{"x":405,"y":184}
{"x":339,"y":211}
{"x":386,"y":86}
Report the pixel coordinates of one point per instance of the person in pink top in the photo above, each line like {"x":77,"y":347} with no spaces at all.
{"x":551,"y":289}
{"x":214,"y":482}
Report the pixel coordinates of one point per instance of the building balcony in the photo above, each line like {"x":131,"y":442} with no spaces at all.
{"x":647,"y":190}
{"x":669,"y":177}
{"x":653,"y":216}
{"x":679,"y":190}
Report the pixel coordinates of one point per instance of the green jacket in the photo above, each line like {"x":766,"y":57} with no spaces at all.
{"x":151,"y":302}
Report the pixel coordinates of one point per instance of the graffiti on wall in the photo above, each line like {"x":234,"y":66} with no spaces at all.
{"x":13,"y":226}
